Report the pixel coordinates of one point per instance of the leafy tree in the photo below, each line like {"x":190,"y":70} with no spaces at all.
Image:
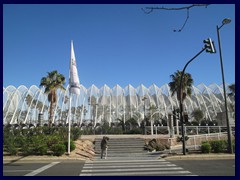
{"x":132,"y":123}
{"x":121,"y":123}
{"x":198,"y":115}
{"x":52,"y":82}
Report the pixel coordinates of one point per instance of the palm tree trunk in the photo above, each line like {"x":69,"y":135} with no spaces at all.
{"x":51,"y":112}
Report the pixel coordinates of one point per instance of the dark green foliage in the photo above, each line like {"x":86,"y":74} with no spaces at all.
{"x":58,"y":149}
{"x":198,"y":115}
{"x":205,"y":147}
{"x":51,"y":140}
{"x":41,"y":150}
{"x":9,"y":142}
{"x":72,"y":145}
{"x":134,"y":131}
{"x":76,"y":133}
{"x":218,"y":146}
{"x":37,"y":141}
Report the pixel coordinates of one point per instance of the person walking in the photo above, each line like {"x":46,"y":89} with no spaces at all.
{"x":104,"y":147}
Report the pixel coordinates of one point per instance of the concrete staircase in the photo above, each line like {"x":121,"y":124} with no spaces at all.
{"x":123,"y":148}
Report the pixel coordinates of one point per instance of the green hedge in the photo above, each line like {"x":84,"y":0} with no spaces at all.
{"x":72,"y":145}
{"x":205,"y":147}
{"x":38,"y":141}
{"x":216,"y":146}
{"x":58,"y":149}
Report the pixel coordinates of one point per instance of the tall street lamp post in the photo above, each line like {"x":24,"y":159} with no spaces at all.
{"x":230,"y":149}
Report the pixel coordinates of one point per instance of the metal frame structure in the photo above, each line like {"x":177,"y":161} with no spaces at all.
{"x":98,"y":105}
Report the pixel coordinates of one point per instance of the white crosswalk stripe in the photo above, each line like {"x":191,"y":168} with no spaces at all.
{"x":132,"y":168}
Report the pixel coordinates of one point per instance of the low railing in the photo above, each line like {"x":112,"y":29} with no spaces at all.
{"x":189,"y":130}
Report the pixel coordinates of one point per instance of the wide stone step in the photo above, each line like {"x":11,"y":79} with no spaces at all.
{"x":121,"y":140}
{"x":139,"y":155}
{"x":123,"y":151}
{"x":122,"y":145}
{"x":121,"y":148}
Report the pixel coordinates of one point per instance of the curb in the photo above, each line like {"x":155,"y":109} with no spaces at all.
{"x":199,"y":157}
{"x":30,"y":158}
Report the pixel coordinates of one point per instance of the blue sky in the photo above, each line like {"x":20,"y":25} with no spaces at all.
{"x":114,"y":44}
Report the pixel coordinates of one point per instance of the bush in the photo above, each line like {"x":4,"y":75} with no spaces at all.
{"x":205,"y":147}
{"x":58,"y":149}
{"x":53,"y":140}
{"x":9,"y":143}
{"x":11,"y":148}
{"x":72,"y":145}
{"x":76,"y":132}
{"x":134,"y":131}
{"x":218,"y":146}
{"x":41,"y":150}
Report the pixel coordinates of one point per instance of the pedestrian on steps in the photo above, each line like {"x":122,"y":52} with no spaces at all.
{"x":104,"y":147}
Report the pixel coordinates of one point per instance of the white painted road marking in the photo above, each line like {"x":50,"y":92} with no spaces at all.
{"x":37,"y":171}
{"x":136,"y":167}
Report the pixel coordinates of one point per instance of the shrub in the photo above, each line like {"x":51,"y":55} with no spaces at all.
{"x":205,"y":147}
{"x":11,"y":148}
{"x":218,"y":146}
{"x":72,"y":145}
{"x":53,"y":140}
{"x":41,"y":150}
{"x":58,"y":149}
{"x":76,"y":132}
{"x":19,"y":141}
{"x":9,"y":143}
{"x":134,"y":131}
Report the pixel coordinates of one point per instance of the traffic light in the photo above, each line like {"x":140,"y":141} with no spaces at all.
{"x":209,"y":45}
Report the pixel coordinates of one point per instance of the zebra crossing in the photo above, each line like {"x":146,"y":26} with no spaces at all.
{"x":142,"y":167}
{"x":127,"y":157}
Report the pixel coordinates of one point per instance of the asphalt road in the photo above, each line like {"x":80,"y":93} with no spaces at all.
{"x":214,"y":167}
{"x":43,"y":168}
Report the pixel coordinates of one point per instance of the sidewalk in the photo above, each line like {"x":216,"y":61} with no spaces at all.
{"x":200,"y":156}
{"x":9,"y":159}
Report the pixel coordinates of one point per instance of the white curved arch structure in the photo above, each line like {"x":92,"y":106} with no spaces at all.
{"x":97,"y":105}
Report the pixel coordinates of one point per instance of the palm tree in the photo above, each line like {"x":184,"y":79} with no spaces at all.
{"x":52,"y":82}
{"x":186,"y":84}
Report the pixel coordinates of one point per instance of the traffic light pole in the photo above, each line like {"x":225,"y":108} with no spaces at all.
{"x":180,"y":101}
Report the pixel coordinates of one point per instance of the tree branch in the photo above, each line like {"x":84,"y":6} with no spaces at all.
{"x":148,"y":10}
